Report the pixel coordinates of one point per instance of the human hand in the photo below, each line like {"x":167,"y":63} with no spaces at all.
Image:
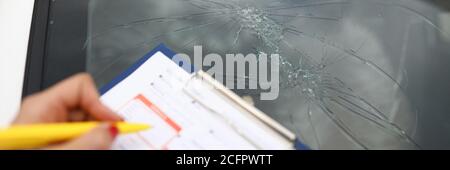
{"x":73,"y":99}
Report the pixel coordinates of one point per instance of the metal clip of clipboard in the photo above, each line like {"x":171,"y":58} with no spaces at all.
{"x":237,"y":101}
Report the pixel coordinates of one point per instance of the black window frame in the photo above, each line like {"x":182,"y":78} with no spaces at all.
{"x":49,"y":20}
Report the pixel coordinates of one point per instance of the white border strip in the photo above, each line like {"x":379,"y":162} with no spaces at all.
{"x":15,"y":23}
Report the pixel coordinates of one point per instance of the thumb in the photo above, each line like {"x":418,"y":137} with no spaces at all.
{"x":99,"y":138}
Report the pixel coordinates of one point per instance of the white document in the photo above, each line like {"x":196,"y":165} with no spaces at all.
{"x":184,"y":113}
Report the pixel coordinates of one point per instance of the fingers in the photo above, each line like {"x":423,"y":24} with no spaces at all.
{"x":79,"y":91}
{"x":77,"y":116}
{"x":77,"y":95}
{"x":40,"y":108}
{"x":99,"y":138}
{"x":56,"y":103}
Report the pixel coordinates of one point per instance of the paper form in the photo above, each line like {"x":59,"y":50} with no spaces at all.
{"x":181,"y":116}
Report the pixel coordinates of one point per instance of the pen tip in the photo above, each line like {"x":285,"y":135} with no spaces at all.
{"x":132,"y":127}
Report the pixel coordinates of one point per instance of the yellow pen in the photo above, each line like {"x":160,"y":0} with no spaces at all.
{"x":38,"y":135}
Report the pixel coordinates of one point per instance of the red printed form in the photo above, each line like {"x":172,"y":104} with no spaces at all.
{"x":156,"y":94}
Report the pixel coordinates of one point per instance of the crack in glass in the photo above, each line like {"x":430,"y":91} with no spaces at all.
{"x":316,"y":63}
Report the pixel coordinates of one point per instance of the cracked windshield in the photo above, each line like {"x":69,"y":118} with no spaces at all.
{"x":353,"y":74}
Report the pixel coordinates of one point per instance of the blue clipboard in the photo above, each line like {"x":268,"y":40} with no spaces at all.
{"x":160,"y":48}
{"x":298,"y":145}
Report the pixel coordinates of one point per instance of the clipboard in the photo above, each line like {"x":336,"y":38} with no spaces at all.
{"x":269,"y":125}
{"x":250,"y":109}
